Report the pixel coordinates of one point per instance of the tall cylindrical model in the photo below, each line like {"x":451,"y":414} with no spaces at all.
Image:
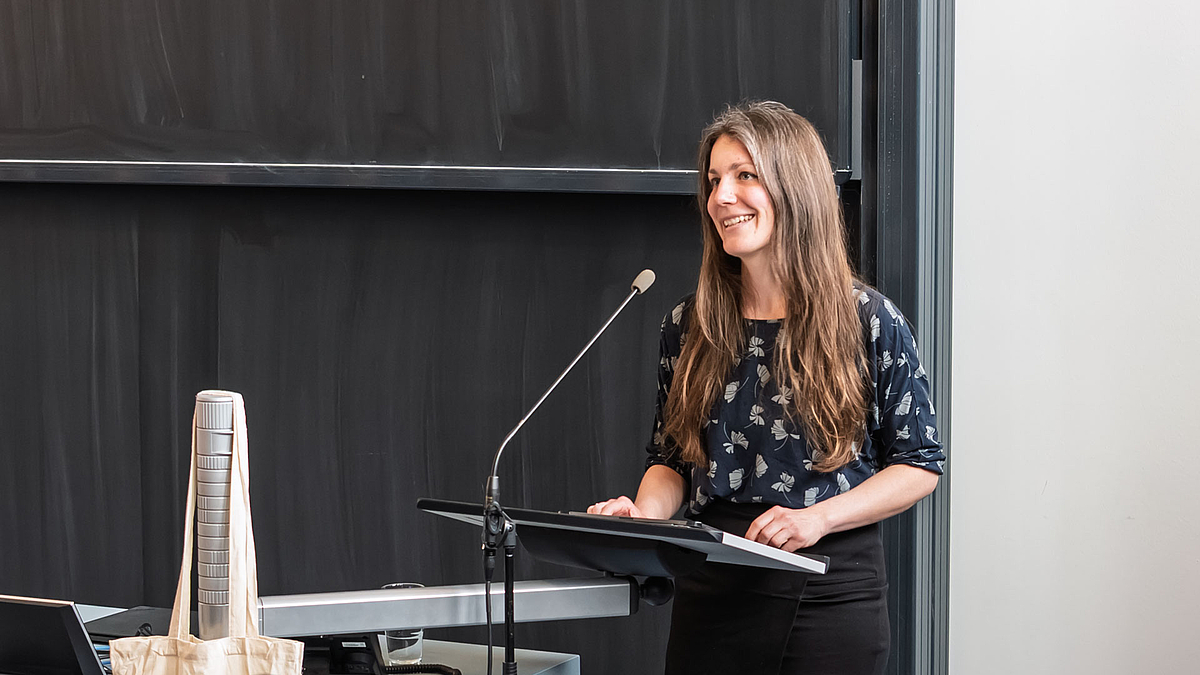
{"x":214,"y":450}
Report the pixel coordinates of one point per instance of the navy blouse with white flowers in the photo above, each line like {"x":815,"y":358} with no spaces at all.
{"x":756,"y":455}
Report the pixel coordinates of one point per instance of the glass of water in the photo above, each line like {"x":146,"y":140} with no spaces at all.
{"x":403,"y":647}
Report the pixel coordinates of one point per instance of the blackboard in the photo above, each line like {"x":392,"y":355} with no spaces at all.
{"x":571,"y":95}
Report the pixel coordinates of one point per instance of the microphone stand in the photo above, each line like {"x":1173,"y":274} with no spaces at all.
{"x":498,"y":529}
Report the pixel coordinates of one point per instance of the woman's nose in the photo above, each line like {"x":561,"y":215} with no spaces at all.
{"x":725,"y":193}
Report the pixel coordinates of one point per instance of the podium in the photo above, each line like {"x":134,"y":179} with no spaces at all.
{"x":630,"y":546}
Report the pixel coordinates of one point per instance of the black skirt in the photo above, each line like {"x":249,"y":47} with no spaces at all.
{"x":750,"y":621}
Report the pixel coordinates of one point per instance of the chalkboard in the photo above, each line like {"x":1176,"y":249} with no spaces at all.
{"x":503,"y":94}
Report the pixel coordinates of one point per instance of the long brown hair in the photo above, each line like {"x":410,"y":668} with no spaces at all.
{"x":819,"y":353}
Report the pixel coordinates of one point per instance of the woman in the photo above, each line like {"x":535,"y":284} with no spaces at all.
{"x":792,"y":409}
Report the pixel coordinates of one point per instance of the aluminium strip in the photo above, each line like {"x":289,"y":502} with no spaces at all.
{"x":443,"y":606}
{"x":292,"y":174}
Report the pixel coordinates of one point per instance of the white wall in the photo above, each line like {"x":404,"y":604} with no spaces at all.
{"x":1075,"y":534}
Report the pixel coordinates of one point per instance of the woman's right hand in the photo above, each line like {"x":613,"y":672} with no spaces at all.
{"x":621,"y":506}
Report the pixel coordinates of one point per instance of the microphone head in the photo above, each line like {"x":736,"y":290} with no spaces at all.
{"x":643,"y":281}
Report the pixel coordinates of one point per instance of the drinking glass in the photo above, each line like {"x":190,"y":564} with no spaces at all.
{"x":403,"y":647}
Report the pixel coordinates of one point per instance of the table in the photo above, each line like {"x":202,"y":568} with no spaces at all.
{"x":466,"y":657}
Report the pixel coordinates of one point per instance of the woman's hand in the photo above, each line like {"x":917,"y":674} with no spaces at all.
{"x":621,"y":506}
{"x":883,"y":495}
{"x":788,"y":529}
{"x":659,"y":496}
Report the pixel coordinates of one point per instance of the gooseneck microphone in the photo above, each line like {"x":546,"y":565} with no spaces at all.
{"x":641,"y":282}
{"x":498,"y":528}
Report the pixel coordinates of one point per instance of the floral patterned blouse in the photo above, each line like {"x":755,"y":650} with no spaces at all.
{"x":756,"y":455}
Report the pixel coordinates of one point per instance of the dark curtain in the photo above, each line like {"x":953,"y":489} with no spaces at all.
{"x":385,"y":342}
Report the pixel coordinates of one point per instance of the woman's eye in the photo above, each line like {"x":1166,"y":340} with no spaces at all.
{"x":746,"y":175}
{"x":712,"y":182}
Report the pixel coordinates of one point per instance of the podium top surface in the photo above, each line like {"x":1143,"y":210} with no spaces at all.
{"x":717,"y":545}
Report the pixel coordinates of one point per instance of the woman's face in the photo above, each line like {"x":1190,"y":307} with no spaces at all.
{"x":739,"y":205}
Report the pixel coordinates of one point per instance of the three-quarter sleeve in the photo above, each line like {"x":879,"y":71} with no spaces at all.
{"x":661,"y":450}
{"x":902,"y":421}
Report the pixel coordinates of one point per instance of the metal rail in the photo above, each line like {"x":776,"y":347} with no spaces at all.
{"x":443,"y":606}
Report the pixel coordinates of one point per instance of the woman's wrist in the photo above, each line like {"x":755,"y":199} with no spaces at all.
{"x":821,"y":516}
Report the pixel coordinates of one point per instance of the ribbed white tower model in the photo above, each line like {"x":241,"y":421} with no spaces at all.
{"x":214,"y":449}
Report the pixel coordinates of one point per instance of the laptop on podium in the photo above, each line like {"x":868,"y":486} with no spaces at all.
{"x":44,"y":637}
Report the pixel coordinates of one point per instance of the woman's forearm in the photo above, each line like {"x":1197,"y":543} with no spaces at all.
{"x":661,"y":492}
{"x":891,"y":491}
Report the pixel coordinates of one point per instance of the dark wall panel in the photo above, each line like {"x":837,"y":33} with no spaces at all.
{"x":581,"y":83}
{"x":385,"y":342}
{"x":178,"y":241}
{"x":70,"y":490}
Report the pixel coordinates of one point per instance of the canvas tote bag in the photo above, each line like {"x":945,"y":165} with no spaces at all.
{"x":244,"y":652}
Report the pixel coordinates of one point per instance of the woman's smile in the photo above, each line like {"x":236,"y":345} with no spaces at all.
{"x":737,"y":220}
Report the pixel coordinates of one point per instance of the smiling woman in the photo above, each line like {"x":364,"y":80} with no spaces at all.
{"x":792,"y":407}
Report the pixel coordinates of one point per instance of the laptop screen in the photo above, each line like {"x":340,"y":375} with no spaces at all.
{"x":44,"y":637}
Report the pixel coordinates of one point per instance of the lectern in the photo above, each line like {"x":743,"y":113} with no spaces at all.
{"x":630,"y":546}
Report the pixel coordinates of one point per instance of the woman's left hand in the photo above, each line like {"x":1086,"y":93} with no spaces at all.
{"x":788,"y":529}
